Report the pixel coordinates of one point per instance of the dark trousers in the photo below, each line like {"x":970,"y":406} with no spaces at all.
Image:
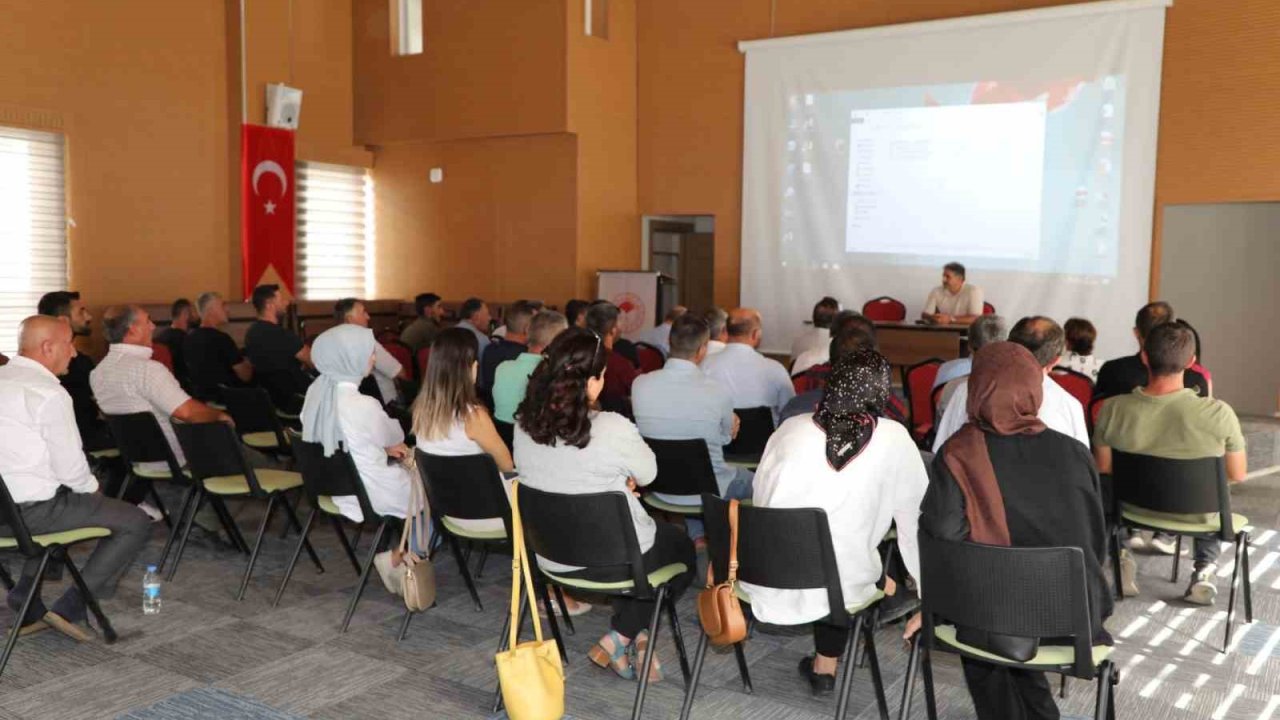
{"x":1001,"y":693}
{"x":130,"y":529}
{"x":670,"y":545}
{"x":829,"y":640}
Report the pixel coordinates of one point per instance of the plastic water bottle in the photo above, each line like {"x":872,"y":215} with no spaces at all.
{"x":151,"y":591}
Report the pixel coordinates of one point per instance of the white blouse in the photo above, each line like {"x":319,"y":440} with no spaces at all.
{"x":367,"y":432}
{"x":883,"y":485}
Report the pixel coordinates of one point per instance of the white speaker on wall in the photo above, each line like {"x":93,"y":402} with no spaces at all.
{"x":284,"y":105}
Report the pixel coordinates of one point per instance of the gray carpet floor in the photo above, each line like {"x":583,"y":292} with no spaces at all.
{"x":208,"y":656}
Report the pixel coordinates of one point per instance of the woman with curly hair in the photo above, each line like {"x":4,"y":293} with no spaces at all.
{"x":565,"y":444}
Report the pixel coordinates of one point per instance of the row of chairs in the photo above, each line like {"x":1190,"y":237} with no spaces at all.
{"x":887,"y":309}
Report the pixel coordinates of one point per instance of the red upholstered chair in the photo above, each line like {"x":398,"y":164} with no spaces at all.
{"x":651,"y":358}
{"x":917,"y":383}
{"x":885,"y":309}
{"x":815,"y":378}
{"x":401,"y":352}
{"x":161,"y":354}
{"x":424,"y":354}
{"x":1077,"y":384}
{"x":1095,"y":409}
{"x":988,"y":309}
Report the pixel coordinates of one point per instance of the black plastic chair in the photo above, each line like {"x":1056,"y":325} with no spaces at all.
{"x":256,"y":420}
{"x":754,"y":430}
{"x":324,"y":478}
{"x":141,"y":441}
{"x":1023,"y":592}
{"x":216,"y":462}
{"x":1144,"y":483}
{"x":49,"y":546}
{"x":684,"y":468}
{"x":789,"y":549}
{"x":556,"y":526}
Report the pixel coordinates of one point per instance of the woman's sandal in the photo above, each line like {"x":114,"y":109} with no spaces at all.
{"x":641,"y":644}
{"x":619,"y":660}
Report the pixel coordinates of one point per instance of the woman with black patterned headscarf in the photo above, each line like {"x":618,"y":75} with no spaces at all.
{"x":864,"y":470}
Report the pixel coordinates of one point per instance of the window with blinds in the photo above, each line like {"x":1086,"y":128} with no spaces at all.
{"x":335,"y":232}
{"x":33,"y":226}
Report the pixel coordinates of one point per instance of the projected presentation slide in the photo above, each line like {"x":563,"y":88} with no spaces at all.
{"x":1003,"y":176}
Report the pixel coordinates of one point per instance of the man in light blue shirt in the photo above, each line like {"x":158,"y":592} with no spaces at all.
{"x":474,"y":316}
{"x":752,"y":379}
{"x":512,"y":377}
{"x":679,"y":402}
{"x":984,"y":331}
{"x":660,"y":336}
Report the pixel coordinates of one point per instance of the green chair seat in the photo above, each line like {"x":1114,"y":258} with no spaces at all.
{"x":452,"y":526}
{"x":1049,"y":656}
{"x":851,"y":609}
{"x":891,"y":535}
{"x":658,"y":503}
{"x":1136,"y":515}
{"x":216,"y":405}
{"x":742,"y":463}
{"x":270,"y":480}
{"x":328,"y":505}
{"x":106,"y":454}
{"x":66,"y":537}
{"x":658,"y":577}
{"x":153,"y":473}
{"x":265,"y":440}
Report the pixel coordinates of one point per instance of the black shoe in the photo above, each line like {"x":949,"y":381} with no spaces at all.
{"x":821,"y":685}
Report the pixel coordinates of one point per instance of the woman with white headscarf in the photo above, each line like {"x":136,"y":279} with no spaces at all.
{"x":336,"y":413}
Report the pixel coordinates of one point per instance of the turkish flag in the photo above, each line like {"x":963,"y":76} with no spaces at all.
{"x":267,"y":191}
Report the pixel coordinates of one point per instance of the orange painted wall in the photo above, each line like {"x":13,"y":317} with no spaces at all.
{"x":1217,"y":136}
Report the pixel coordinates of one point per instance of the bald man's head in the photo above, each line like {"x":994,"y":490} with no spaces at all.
{"x":47,"y":340}
{"x":744,"y":326}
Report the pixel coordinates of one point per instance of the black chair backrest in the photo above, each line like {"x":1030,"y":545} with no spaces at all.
{"x":684,"y":468}
{"x":253,"y":411}
{"x":753,"y":433}
{"x":11,"y":518}
{"x":592,"y":530}
{"x":1173,"y":486}
{"x":335,"y":475}
{"x":785,"y":548}
{"x":213,"y":450}
{"x":467,"y":487}
{"x":1025,"y":592}
{"x":140,"y":440}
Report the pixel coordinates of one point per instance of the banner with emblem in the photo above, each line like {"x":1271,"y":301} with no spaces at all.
{"x":636,"y":295}
{"x":267,"y":207}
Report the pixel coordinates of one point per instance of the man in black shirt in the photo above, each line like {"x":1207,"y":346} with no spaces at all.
{"x":93,"y":429}
{"x":174,"y":337}
{"x":1122,"y":375}
{"x":277,"y":355}
{"x":211,"y":355}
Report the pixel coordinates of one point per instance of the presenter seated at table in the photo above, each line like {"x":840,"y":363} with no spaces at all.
{"x":955,"y":302}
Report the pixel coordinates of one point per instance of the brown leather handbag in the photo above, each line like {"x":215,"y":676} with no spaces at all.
{"x":718,"y":607}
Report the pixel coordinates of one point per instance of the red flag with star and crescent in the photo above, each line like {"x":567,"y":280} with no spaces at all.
{"x":267,"y":192}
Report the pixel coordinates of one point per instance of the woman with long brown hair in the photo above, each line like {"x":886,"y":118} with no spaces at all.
{"x":565,"y":444}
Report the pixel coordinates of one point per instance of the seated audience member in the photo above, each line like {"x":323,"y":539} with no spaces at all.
{"x":602,"y":319}
{"x":660,"y":335}
{"x":508,"y":347}
{"x":386,"y":368}
{"x":43,"y":465}
{"x":534,"y":307}
{"x":474,"y":316}
{"x":212,"y":356}
{"x":1122,"y":375}
{"x":716,"y":319}
{"x":954,"y":302}
{"x":1005,"y":478}
{"x":424,"y":328}
{"x":1169,"y":420}
{"x":752,"y":379}
{"x":512,"y":377}
{"x":847,"y":341}
{"x":335,"y":414}
{"x":174,"y":337}
{"x":1081,"y":335}
{"x":1058,"y":409}
{"x":679,"y":402}
{"x":278,"y":355}
{"x":562,"y":445}
{"x":984,"y":331}
{"x":865,"y":472}
{"x":93,"y":431}
{"x":818,"y":335}
{"x":575,"y":311}
{"x":817,"y":356}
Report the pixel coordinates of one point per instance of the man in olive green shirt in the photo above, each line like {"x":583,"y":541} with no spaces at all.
{"x":423,"y":330}
{"x":512,"y":376}
{"x":1165,"y":419}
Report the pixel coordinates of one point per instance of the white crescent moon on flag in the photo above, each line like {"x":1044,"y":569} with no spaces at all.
{"x":272,"y":167}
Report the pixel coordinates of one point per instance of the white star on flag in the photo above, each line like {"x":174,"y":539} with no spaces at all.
{"x":270,"y":207}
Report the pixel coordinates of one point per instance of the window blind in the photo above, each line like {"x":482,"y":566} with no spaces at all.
{"x":33,"y":226}
{"x":335,"y":231}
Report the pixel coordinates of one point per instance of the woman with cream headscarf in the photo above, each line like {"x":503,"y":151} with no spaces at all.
{"x":335,"y":413}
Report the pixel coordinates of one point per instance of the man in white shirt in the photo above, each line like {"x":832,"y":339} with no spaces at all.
{"x":44,"y":468}
{"x":716,"y":319}
{"x":386,"y":369}
{"x":1058,"y":409}
{"x":954,"y":302}
{"x":844,"y":320}
{"x":660,"y":335}
{"x":752,"y":379}
{"x":818,"y":335}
